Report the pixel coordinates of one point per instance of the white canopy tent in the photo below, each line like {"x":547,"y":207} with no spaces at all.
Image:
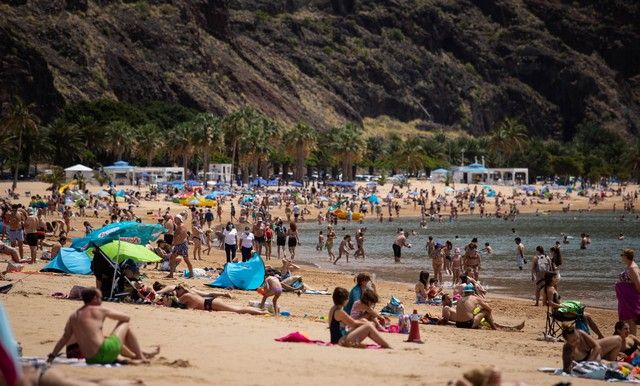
{"x":78,"y":169}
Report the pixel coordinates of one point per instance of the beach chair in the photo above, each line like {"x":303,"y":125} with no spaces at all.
{"x":572,"y":315}
{"x":553,"y":326}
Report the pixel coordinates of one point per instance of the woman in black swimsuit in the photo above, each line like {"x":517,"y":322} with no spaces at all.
{"x":631,"y":342}
{"x":580,"y":346}
{"x":552,"y":300}
{"x":359,"y":330}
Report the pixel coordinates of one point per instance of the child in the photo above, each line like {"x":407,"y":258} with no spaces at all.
{"x":363,"y":309}
{"x":487,"y":249}
{"x":272,"y":287}
{"x":207,"y":241}
{"x":359,"y":330}
{"x":87,"y":228}
{"x":456,"y":265}
{"x":434,"y":290}
{"x":344,"y":244}
{"x":320,"y":241}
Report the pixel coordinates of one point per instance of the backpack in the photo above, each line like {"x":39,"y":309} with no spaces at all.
{"x":394,"y":307}
{"x":544,"y":263}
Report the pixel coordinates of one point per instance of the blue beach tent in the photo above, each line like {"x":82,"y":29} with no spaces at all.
{"x":68,"y":260}
{"x":247,"y":276}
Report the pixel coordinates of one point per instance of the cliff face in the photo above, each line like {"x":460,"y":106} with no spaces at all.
{"x":463,"y":64}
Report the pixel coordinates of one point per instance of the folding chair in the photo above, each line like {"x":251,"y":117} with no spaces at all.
{"x":554,"y":324}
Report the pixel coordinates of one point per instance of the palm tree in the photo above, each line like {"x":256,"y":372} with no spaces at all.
{"x":347,"y":147}
{"x":255,"y":142}
{"x":66,"y":143}
{"x":632,"y":161}
{"x":235,"y":126}
{"x":119,"y":138}
{"x":412,"y":156}
{"x":508,"y":137}
{"x":182,"y":144}
{"x":301,"y":138}
{"x":375,"y":151}
{"x":55,"y":178}
{"x":208,"y":136}
{"x":20,"y":122}
{"x":147,"y":142}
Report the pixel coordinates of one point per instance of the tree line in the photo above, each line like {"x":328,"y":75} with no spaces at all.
{"x":99,"y":132}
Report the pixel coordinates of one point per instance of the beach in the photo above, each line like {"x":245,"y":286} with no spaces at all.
{"x":199,"y":347}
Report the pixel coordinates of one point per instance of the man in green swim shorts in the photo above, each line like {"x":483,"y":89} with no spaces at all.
{"x":86,"y":325}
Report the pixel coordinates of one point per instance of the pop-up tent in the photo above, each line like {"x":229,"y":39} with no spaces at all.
{"x":68,"y":260}
{"x":247,"y":276}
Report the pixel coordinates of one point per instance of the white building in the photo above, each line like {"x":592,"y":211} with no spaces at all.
{"x":220,"y":173}
{"x":123,"y":173}
{"x":438,"y":175}
{"x":476,"y":173}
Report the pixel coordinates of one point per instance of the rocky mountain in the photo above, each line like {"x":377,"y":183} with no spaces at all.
{"x":464,"y":64}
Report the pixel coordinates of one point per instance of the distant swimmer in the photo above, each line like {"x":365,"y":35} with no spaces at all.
{"x":620,"y":237}
{"x":565,"y":238}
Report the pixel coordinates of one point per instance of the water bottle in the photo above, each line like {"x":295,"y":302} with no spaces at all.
{"x":285,"y":313}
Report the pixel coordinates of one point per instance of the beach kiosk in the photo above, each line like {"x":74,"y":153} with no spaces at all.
{"x":471,"y":174}
{"x":120,"y":172}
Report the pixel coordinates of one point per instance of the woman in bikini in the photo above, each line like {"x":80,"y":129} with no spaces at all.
{"x":358,"y":330}
{"x":580,"y":346}
{"x":331,"y":235}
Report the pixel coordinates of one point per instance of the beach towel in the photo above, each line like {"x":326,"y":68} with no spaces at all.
{"x":314,"y":292}
{"x":593,"y":370}
{"x":38,"y":362}
{"x":298,"y":337}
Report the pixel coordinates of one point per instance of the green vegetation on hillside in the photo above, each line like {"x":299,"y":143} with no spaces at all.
{"x":102,"y":131}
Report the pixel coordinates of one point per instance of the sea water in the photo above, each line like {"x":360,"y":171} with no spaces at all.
{"x":587,"y":275}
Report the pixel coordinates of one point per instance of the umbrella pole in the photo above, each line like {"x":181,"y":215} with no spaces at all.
{"x":116,"y":268}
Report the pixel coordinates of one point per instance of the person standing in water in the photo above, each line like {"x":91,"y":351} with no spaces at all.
{"x":400,"y":241}
{"x":331,"y":235}
{"x":520,"y":260}
{"x":359,"y":243}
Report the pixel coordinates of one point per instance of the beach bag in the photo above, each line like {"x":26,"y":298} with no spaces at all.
{"x":394,"y":307}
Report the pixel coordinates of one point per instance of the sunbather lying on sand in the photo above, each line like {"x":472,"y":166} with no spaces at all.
{"x":162,"y":290}
{"x":194,"y":301}
{"x":51,"y":376}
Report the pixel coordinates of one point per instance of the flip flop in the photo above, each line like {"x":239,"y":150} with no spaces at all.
{"x":6,"y":288}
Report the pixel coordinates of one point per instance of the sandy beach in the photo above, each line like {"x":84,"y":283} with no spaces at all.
{"x":200,"y":348}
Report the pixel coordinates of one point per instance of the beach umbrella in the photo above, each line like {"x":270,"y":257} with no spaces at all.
{"x":121,"y":251}
{"x":102,"y":194}
{"x":449,"y":190}
{"x":131,"y":231}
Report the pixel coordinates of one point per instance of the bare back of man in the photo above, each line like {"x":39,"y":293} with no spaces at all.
{"x":86,"y":326}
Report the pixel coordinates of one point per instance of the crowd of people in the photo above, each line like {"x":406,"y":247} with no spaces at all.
{"x":192,"y":233}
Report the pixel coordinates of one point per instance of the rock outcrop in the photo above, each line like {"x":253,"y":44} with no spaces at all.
{"x":463,"y":64}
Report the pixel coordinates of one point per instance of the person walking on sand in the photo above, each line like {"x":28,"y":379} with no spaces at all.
{"x":520,"y":260}
{"x":180,"y":247}
{"x":16,"y":218}
{"x":31,"y":235}
{"x":400,"y":241}
{"x":540,"y":265}
{"x":85,"y":325}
